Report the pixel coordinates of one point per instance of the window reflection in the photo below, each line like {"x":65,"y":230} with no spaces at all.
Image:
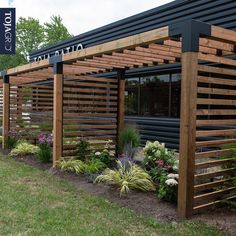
{"x":157,"y":96}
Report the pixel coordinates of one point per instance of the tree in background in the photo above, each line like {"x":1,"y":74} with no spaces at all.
{"x":30,"y":36}
{"x":10,"y":61}
{"x":55,"y":31}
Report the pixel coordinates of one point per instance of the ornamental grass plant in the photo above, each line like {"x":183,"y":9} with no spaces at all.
{"x":127,"y":178}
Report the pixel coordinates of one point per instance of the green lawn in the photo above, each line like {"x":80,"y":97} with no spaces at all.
{"x":33,"y":202}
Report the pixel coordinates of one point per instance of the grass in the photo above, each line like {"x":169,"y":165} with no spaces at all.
{"x":33,"y":202}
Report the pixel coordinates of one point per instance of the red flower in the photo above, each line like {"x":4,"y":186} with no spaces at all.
{"x":160,"y":162}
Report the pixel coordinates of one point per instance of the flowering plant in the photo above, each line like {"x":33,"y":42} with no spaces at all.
{"x":45,"y":153}
{"x":106,"y":155}
{"x":159,"y":160}
{"x":45,"y":139}
{"x":13,"y":137}
{"x":168,"y":187}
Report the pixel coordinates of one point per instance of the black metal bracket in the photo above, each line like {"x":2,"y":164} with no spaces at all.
{"x":190,"y":31}
{"x":121,"y":74}
{"x":5,"y":76}
{"x":57,"y":63}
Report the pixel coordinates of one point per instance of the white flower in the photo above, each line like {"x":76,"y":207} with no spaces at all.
{"x":175,"y":167}
{"x":112,"y":153}
{"x":158,"y":153}
{"x":97,"y":153}
{"x":173,"y":176}
{"x":171,"y":182}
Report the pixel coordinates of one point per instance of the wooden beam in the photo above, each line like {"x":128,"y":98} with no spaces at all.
{"x":6,"y":112}
{"x":224,"y":35}
{"x":121,"y":102}
{"x":57,"y":115}
{"x":120,"y":44}
{"x":187,"y":134}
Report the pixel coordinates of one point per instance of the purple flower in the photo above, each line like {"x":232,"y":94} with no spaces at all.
{"x":45,"y":139}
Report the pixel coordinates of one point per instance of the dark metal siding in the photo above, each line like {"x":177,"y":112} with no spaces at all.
{"x":165,"y":130}
{"x":217,"y":12}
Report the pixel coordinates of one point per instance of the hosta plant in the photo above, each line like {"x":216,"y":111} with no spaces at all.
{"x":125,"y":178}
{"x":24,"y":148}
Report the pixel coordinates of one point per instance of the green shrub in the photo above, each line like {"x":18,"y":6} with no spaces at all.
{"x":24,"y":148}
{"x":129,"y":139}
{"x":0,"y":139}
{"x":13,"y":137}
{"x":159,"y":160}
{"x":93,"y":166}
{"x":168,"y":187}
{"x":81,"y":167}
{"x":83,"y":149}
{"x":106,"y":155}
{"x":133,"y":177}
{"x":45,"y":151}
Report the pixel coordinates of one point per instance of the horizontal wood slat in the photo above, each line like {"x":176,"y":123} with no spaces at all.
{"x":211,"y":122}
{"x":210,"y":185}
{"x":208,"y":133}
{"x":215,"y":153}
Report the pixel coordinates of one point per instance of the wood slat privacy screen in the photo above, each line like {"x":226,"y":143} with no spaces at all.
{"x":31,"y":109}
{"x":215,"y":165}
{"x":89,"y":113}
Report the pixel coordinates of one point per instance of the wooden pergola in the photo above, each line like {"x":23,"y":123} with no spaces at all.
{"x":81,"y":99}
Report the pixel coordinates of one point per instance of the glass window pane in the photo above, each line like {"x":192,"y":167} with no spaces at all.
{"x":154,"y":96}
{"x":175,"y":95}
{"x":131,"y":96}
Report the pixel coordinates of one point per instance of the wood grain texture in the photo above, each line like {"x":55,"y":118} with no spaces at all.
{"x":187,"y":134}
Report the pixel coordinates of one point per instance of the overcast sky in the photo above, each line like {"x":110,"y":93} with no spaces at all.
{"x":81,"y":15}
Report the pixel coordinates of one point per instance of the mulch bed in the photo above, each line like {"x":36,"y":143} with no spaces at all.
{"x":146,"y":204}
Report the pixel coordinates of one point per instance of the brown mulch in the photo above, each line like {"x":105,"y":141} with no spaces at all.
{"x":146,"y":204}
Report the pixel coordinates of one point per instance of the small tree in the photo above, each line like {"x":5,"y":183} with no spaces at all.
{"x":55,"y":31}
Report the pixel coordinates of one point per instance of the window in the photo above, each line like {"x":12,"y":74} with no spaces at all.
{"x":157,"y":96}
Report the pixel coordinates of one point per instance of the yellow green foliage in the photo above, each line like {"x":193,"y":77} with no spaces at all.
{"x":127,"y":177}
{"x":24,"y":148}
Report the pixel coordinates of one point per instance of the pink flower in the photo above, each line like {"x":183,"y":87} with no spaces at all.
{"x":166,"y":168}
{"x":160,"y":162}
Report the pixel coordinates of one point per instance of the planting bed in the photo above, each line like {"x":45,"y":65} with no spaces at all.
{"x":145,"y":203}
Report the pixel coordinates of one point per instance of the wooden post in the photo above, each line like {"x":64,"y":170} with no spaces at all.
{"x":6,"y":111}
{"x":57,"y":113}
{"x":187,"y":134}
{"x":121,"y":102}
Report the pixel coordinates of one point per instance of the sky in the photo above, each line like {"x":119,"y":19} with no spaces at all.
{"x":80,"y":16}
